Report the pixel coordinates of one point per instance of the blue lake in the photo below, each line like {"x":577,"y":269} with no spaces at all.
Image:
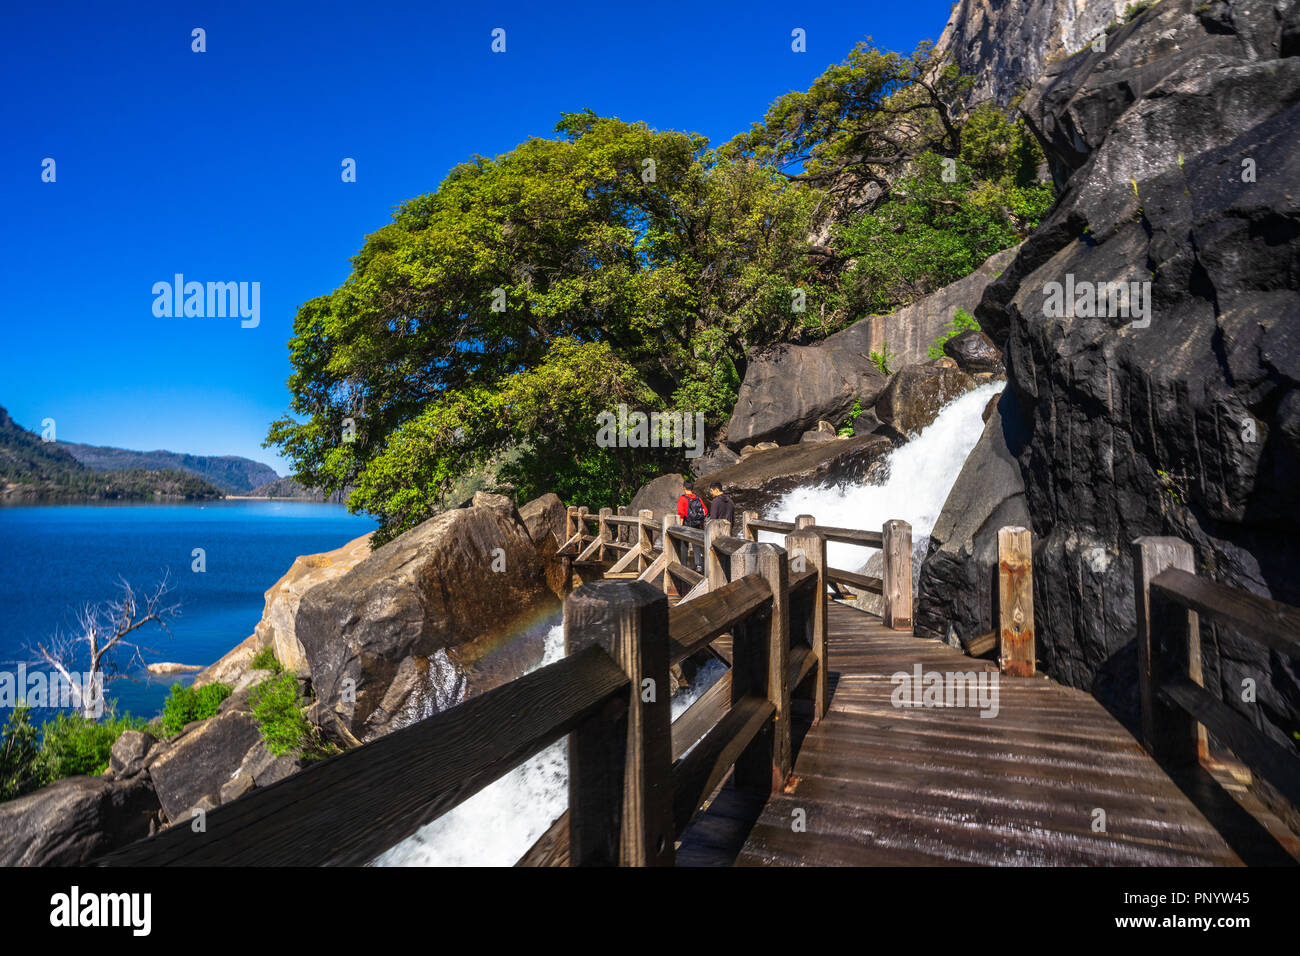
{"x":55,"y":559}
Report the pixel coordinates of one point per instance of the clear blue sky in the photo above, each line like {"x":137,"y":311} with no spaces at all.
{"x":225,"y":165}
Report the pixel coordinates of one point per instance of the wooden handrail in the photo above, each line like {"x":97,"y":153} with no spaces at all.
{"x":1178,"y":713}
{"x":347,"y":810}
{"x":1269,"y":622}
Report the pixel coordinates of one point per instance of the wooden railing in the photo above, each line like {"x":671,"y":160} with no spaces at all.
{"x":636,"y":778}
{"x":1178,"y":713}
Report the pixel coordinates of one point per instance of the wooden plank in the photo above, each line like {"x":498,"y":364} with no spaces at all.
{"x":896,"y":584}
{"x":868,"y":539}
{"x":1167,"y":733}
{"x":655,"y":568}
{"x":552,"y":847}
{"x":981,"y":645}
{"x":698,"y":773}
{"x":620,"y":813}
{"x":696,"y":720}
{"x":1272,"y":623}
{"x":1016,"y":601}
{"x":762,"y":524}
{"x":693,"y":625}
{"x":348,"y":809}
{"x":682,"y":533}
{"x":862,"y":582}
{"x":701,"y":588}
{"x":689,"y":576}
{"x":591,"y":549}
{"x":1276,"y":764}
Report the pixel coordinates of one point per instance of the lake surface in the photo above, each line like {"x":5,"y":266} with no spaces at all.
{"x":54,"y":559}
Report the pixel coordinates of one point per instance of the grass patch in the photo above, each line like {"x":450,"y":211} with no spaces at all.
{"x":265,"y":660}
{"x":285,"y":729}
{"x":189,"y":703}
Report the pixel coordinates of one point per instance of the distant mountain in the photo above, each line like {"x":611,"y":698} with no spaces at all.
{"x":32,"y":470}
{"x":230,"y":473}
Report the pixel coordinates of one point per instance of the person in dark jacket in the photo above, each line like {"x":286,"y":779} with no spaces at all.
{"x":721,"y":507}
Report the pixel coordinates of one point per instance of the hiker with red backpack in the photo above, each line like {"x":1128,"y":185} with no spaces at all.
{"x":692,"y":510}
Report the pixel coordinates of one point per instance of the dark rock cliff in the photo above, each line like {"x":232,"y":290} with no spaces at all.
{"x":1178,"y":150}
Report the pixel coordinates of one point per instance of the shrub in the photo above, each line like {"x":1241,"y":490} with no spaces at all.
{"x":285,"y":729}
{"x":190,"y":703}
{"x":265,"y":660}
{"x":962,"y":321}
{"x":883,"y":359}
{"x":20,"y":769}
{"x":72,"y":744}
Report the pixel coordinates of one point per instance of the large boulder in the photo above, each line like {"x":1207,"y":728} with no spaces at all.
{"x":456,"y":583}
{"x":659,"y":495}
{"x":973,"y":351}
{"x":1178,"y":149}
{"x":956,"y":587}
{"x":201,"y":760}
{"x":917,"y":394}
{"x":790,"y":387}
{"x":766,"y":475}
{"x":544,"y":518}
{"x":277,"y":628}
{"x":76,"y":819}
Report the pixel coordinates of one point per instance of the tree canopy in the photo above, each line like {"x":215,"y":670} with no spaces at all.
{"x":491,"y":320}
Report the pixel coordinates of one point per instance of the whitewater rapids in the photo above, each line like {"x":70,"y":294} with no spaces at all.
{"x":499,"y":824}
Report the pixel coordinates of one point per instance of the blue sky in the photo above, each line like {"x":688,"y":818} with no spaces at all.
{"x":225,"y":165}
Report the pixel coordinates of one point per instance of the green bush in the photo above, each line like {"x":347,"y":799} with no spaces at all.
{"x":883,"y":360}
{"x":189,"y":703}
{"x":265,"y":660}
{"x":72,"y":744}
{"x":279,"y":712}
{"x":962,"y":321}
{"x":20,"y":766}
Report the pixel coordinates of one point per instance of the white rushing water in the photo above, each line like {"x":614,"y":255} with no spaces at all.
{"x":920,"y":475}
{"x":499,"y":824}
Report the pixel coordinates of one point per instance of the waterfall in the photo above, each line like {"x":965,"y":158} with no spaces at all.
{"x":500,"y":823}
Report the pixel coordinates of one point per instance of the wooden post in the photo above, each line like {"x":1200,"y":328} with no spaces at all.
{"x":1016,"y":601}
{"x":808,"y":546}
{"x":713,"y":567}
{"x":620,"y":763}
{"x":760,"y":665}
{"x":644,"y":543}
{"x":603,"y":532}
{"x":620,"y":532}
{"x":670,"y":548}
{"x":896,"y":549}
{"x":747,"y":532}
{"x":804,"y":521}
{"x":570,"y":522}
{"x":1163,"y":630}
{"x":582,"y":524}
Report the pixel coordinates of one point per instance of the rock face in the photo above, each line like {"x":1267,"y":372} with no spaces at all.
{"x":659,"y":495}
{"x":199,"y":761}
{"x":917,"y":393}
{"x":973,"y":351}
{"x":75,"y":819}
{"x":430,"y":591}
{"x":277,"y":628}
{"x":544,"y":519}
{"x":1005,"y":44}
{"x":766,"y":475}
{"x":788,"y":389}
{"x":956,"y":587}
{"x":1179,"y":152}
{"x":909,"y":333}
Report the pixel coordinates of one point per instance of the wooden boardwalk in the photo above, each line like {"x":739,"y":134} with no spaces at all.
{"x":882,"y":785}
